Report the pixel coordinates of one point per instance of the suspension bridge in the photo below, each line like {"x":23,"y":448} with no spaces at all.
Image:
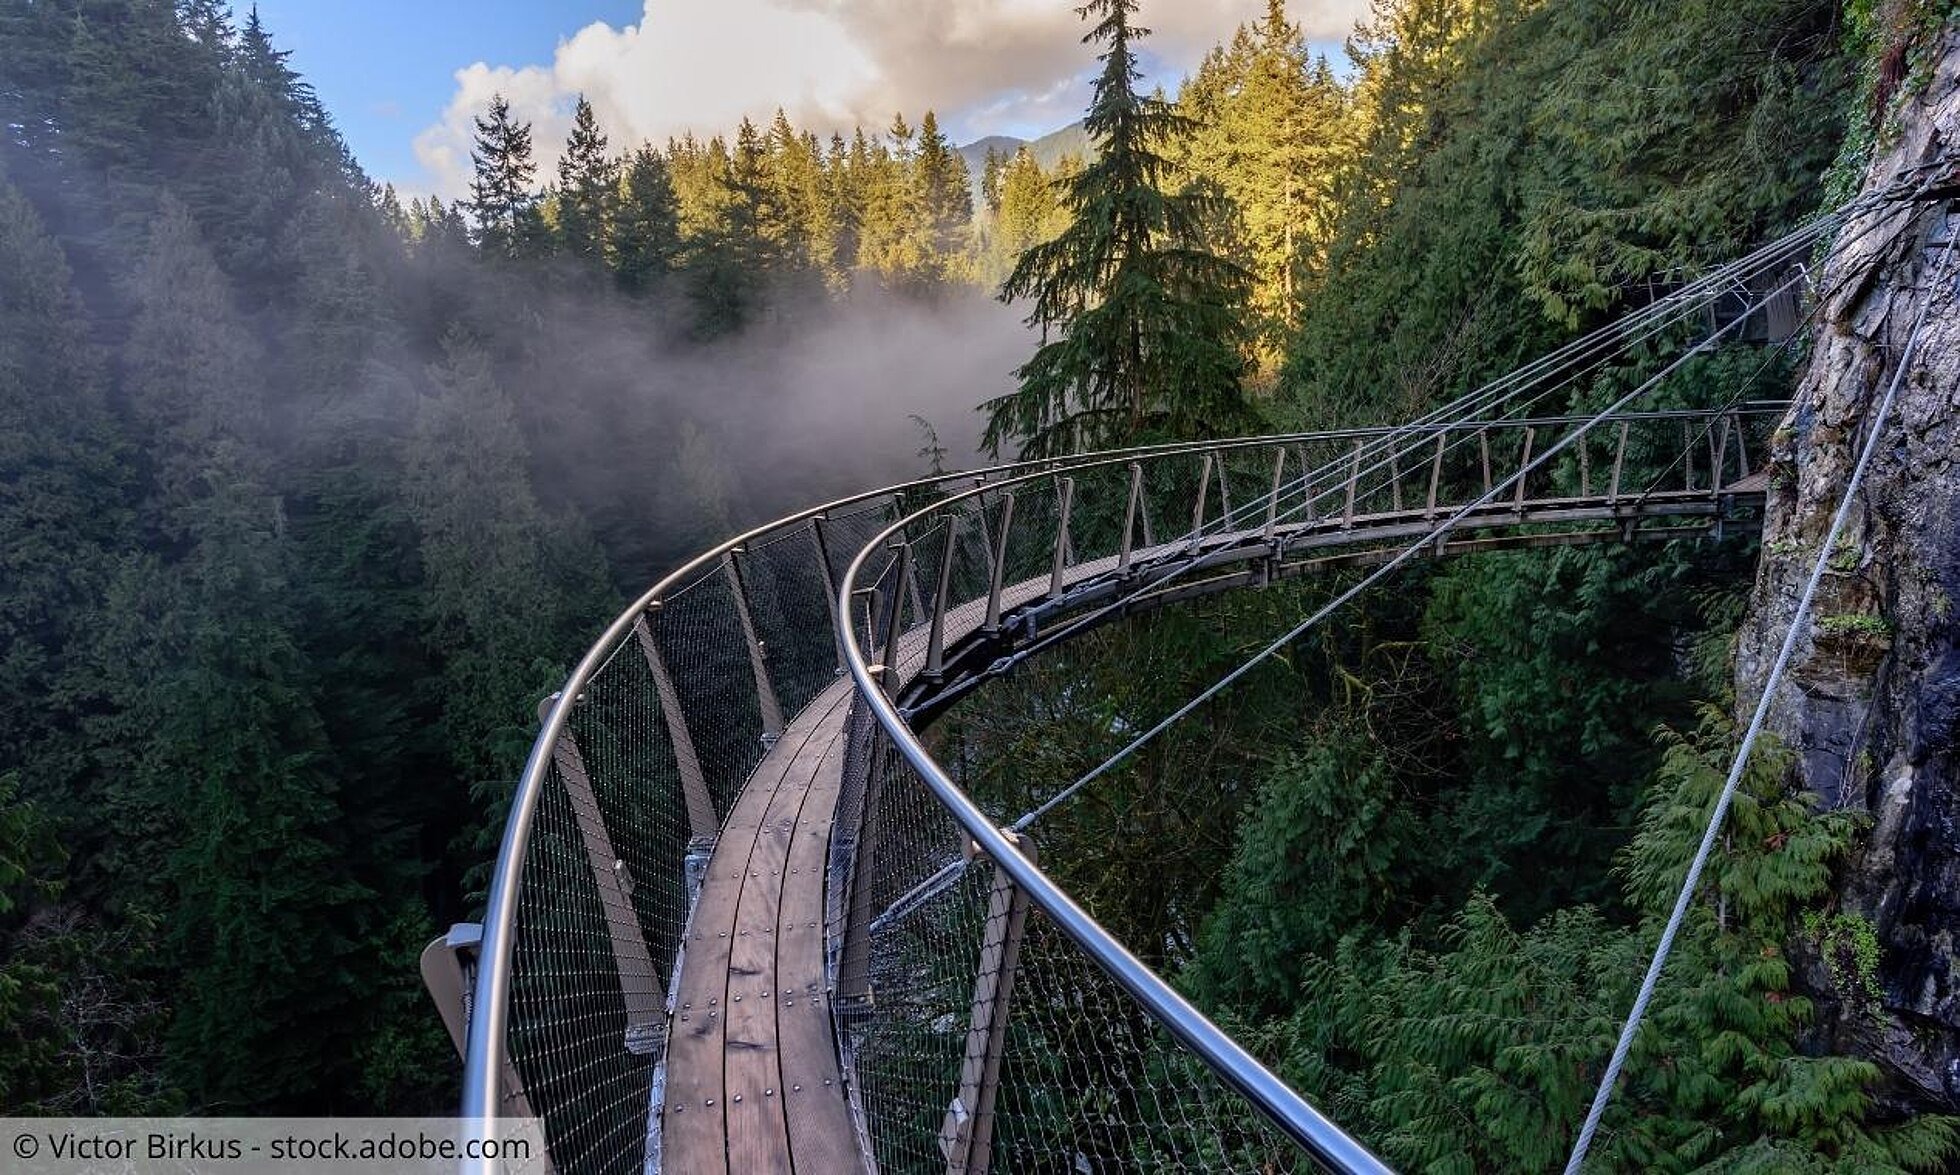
{"x":744,"y":918}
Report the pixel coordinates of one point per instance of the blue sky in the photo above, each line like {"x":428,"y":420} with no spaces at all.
{"x":403,"y":78}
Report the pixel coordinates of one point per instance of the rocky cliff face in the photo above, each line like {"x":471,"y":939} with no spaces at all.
{"x":1872,"y":702}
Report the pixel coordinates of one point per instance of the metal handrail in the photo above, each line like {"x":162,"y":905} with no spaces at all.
{"x":1299,"y":1120}
{"x":485,"y":1051}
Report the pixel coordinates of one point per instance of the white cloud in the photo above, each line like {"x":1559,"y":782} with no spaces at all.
{"x":986,"y":65}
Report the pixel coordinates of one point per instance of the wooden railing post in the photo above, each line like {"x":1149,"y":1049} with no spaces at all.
{"x":639,"y":984}
{"x":1272,"y":499}
{"x":770,"y":711}
{"x":966,"y":1135}
{"x":1619,"y":463}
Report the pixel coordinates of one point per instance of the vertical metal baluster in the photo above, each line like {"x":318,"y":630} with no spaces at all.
{"x":1354,"y":476}
{"x":817,"y":531}
{"x":1619,"y":463}
{"x":1065,"y":499}
{"x":999,"y":569}
{"x":1394,"y":478}
{"x":1435,"y":478}
{"x":1585,"y":465}
{"x":1524,"y":465}
{"x":936,"y":642}
{"x":1130,"y":518}
{"x":1272,"y":500}
{"x":1204,"y":488}
{"x":1483,"y":448}
{"x":895,"y":619}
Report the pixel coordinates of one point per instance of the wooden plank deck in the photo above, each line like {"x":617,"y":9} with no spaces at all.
{"x":752,"y":1077}
{"x":752,"y":1082}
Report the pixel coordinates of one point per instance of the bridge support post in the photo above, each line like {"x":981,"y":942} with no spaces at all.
{"x":1224,"y":488}
{"x":1309,"y":490}
{"x":1619,"y":463}
{"x":769,"y":710}
{"x":639,"y":983}
{"x":999,"y":569}
{"x":966,"y":1136}
{"x":895,"y":619}
{"x":1130,"y":519}
{"x":1524,"y":467}
{"x":1204,"y":489}
{"x":1272,"y":499}
{"x":702,"y":823}
{"x":1064,"y":502}
{"x":1394,"y":478}
{"x":1435,"y":478}
{"x":936,"y":641}
{"x":818,"y":526}
{"x":1353,"y":480}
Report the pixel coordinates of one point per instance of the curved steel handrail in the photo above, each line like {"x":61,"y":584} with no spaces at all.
{"x":1305,"y":1125}
{"x":485,"y":1051}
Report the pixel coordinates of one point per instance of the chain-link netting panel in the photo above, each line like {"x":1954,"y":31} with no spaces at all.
{"x":983,"y":1031}
{"x":791,"y":597}
{"x":703,"y":640}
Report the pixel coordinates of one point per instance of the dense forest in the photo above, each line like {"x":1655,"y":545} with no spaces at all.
{"x":307,"y":494}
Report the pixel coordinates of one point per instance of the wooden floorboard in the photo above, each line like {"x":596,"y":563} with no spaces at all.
{"x":694,"y":1125}
{"x":752,"y":1074}
{"x":723,"y":1039}
{"x":822,"y":1137}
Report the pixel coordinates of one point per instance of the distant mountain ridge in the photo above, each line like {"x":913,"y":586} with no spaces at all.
{"x":1047,"y":150}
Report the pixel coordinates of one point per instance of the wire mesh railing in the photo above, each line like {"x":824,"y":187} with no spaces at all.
{"x":639,"y":762}
{"x":985,"y":1021}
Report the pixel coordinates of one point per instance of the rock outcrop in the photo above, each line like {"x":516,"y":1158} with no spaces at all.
{"x":1872,"y":702}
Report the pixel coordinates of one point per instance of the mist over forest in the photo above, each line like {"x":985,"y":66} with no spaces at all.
{"x":309,"y":493}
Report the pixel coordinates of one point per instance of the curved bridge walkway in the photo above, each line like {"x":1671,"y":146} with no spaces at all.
{"x":753,"y":1081}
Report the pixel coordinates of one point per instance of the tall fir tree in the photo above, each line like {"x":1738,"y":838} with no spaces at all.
{"x":502,"y":204}
{"x":646,"y":235}
{"x":1142,"y":326}
{"x":588,"y":189}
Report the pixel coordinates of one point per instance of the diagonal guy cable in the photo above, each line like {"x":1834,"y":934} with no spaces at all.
{"x":1715,"y":818}
{"x":1382,"y":572}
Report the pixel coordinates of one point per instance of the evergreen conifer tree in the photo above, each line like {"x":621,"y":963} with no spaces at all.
{"x":1142,"y":326}
{"x":646,"y":230}
{"x":501,"y":201}
{"x":588,"y":188}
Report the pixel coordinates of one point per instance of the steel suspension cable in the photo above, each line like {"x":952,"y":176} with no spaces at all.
{"x":1610,"y":1078}
{"x":1591,"y":351}
{"x":1387,"y":568}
